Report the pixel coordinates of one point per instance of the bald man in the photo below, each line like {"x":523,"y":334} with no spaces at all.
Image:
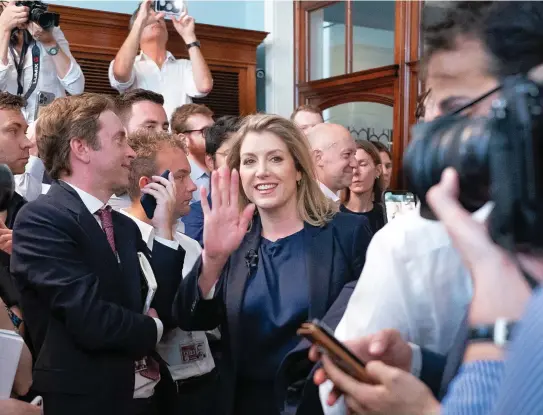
{"x":334,"y":157}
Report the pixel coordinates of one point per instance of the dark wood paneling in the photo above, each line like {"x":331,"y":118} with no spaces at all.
{"x":96,"y":36}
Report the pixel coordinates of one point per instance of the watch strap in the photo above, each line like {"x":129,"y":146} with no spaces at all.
{"x":53,"y":50}
{"x":195,"y":43}
{"x":498,"y":333}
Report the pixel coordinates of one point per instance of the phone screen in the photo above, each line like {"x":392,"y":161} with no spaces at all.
{"x":399,"y":203}
{"x":170,"y":7}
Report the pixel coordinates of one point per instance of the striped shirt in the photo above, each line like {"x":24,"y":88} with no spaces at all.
{"x":505,"y":388}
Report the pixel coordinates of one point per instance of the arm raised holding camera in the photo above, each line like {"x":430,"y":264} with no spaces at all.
{"x":124,"y":60}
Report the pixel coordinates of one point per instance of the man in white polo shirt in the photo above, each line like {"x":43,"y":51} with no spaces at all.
{"x":156,"y":69}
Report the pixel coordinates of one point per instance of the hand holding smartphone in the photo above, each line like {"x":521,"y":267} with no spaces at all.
{"x":148,"y":202}
{"x":320,"y":335}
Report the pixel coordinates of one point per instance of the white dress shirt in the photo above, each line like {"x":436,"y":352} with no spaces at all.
{"x":48,"y":81}
{"x":413,"y":281}
{"x":200,"y":177}
{"x":328,"y":193}
{"x":174,"y":80}
{"x":176,"y":346}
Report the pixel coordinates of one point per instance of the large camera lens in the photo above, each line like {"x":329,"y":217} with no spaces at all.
{"x":450,"y":141}
{"x":46,"y":20}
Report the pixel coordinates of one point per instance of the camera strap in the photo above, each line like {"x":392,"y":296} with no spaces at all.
{"x":19,"y":65}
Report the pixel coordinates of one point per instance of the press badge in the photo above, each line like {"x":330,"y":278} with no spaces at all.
{"x":192,"y":351}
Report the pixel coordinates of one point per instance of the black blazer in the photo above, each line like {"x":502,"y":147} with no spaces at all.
{"x":83,"y":308}
{"x":335,"y":256}
{"x":8,"y":291}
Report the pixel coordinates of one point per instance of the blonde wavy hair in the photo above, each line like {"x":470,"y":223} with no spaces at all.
{"x":312,"y":205}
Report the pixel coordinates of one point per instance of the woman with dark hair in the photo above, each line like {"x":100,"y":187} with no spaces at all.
{"x":363,"y":196}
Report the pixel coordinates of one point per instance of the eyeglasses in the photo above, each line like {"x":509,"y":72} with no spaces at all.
{"x":201,"y":131}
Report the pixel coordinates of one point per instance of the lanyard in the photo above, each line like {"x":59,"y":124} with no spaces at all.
{"x":20,"y":66}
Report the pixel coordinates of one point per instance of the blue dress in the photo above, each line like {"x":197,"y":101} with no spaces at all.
{"x":275,"y":304}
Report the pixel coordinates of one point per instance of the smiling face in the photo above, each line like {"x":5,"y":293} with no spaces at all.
{"x":110,"y":162}
{"x":267,"y":171}
{"x":14,"y":145}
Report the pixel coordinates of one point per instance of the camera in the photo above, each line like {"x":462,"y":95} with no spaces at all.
{"x":37,"y":13}
{"x":7,"y":187}
{"x":498,"y":158}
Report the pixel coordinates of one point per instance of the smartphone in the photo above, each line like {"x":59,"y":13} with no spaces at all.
{"x":399,"y":203}
{"x":148,"y":202}
{"x":320,"y":335}
{"x":43,"y":99}
{"x":170,"y":7}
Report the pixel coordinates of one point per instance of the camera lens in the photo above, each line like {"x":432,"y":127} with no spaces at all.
{"x":451,"y":141}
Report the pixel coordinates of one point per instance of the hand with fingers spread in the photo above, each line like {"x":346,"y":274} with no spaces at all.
{"x":13,"y":16}
{"x":224,"y":225}
{"x":185,"y":25}
{"x":6,"y":236}
{"x":500,"y":291}
{"x":396,"y":392}
{"x":163,"y":190}
{"x":385,"y":345}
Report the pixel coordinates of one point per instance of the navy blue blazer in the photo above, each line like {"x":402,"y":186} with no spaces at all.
{"x":82,"y":307}
{"x":335,"y":256}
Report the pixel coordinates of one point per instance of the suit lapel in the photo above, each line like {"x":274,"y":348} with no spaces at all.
{"x":319,"y":245}
{"x":87,"y":221}
{"x":238,"y":274}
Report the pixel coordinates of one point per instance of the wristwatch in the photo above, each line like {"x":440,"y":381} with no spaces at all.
{"x":53,"y":50}
{"x":15,"y":320}
{"x":498,"y":333}
{"x":195,"y":43}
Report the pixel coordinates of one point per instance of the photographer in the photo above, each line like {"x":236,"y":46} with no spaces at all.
{"x":505,"y":260}
{"x":155,"y":68}
{"x":23,"y":41}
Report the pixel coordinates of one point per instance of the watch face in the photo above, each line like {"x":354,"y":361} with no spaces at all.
{"x":53,"y":51}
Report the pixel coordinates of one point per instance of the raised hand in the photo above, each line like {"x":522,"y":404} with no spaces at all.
{"x":499,"y":288}
{"x":13,"y":16}
{"x":224,"y":224}
{"x":185,"y":25}
{"x":164,"y":191}
{"x":146,"y":14}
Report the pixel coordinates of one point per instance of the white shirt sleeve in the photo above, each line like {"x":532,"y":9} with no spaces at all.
{"x":8,"y":73}
{"x":120,"y":86}
{"x":189,"y":85}
{"x":159,"y":329}
{"x":378,"y":301}
{"x":29,"y":184}
{"x":74,"y":80}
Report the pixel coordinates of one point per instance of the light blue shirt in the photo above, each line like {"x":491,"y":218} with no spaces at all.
{"x":200,"y":177}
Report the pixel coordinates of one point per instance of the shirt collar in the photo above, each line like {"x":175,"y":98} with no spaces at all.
{"x":328,"y":193}
{"x":93,"y":204}
{"x":196,"y":172}
{"x":147,"y":230}
{"x":143,"y":56}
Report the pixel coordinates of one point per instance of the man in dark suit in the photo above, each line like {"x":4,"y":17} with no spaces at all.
{"x":14,"y":152}
{"x":81,"y":268}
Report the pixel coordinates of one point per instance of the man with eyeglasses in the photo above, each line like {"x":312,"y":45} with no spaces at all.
{"x":190,"y":122}
{"x":219,"y":139}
